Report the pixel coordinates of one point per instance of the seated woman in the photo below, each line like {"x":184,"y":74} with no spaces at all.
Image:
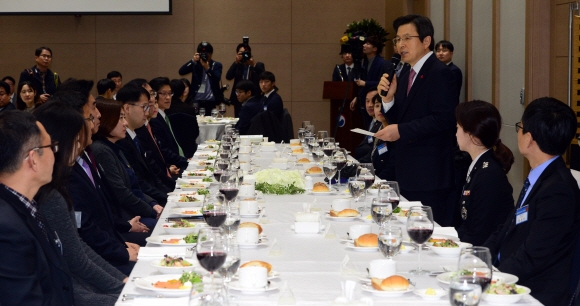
{"x":486,"y":200}
{"x":380,"y":153}
{"x":122,"y":178}
{"x":95,"y":281}
{"x":26,"y":97}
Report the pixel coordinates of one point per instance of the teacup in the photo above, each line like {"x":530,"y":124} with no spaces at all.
{"x":253,"y":277}
{"x":246,"y":189}
{"x":382,"y":268}
{"x":245,"y":142}
{"x":245,"y":149}
{"x":247,"y":235}
{"x":340,"y":204}
{"x":248,"y":207}
{"x":249,"y":179}
{"x":244,"y":157}
{"x":355,"y":231}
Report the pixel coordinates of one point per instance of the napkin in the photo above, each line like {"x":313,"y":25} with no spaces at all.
{"x":180,"y":301}
{"x":150,"y":252}
{"x":446,"y":231}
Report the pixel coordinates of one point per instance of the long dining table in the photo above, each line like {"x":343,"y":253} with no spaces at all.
{"x":311,"y":266}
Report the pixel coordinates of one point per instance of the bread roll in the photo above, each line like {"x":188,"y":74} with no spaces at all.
{"x":391,"y":283}
{"x":314,"y":170}
{"x":320,"y":187}
{"x":303,"y":160}
{"x":251,"y":224}
{"x":344,"y":213}
{"x":297,"y":151}
{"x":295,"y":144}
{"x":367,"y":241}
{"x":258,"y":263}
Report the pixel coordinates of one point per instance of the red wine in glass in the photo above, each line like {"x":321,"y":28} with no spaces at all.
{"x":328,"y":152}
{"x":226,"y":147}
{"x":217,"y":175}
{"x":224,"y":155}
{"x":229,"y":193}
{"x":211,"y":261}
{"x":420,"y":235}
{"x":340,"y":164}
{"x":222,"y":112}
{"x":214,"y":219}
{"x":222,"y":166}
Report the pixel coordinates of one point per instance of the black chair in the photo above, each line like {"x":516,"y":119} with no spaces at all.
{"x":186,"y":130}
{"x":268,"y":125}
{"x":288,"y":127}
{"x":575,"y":276}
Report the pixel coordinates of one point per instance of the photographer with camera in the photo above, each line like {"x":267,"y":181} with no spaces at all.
{"x":244,"y":68}
{"x":205,"y":78}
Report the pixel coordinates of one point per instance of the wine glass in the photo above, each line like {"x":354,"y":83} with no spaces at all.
{"x":232,"y":222}
{"x":475,"y":266}
{"x":366,"y":173}
{"x":322,"y":134}
{"x":356,"y":188}
{"x":240,"y":175}
{"x":329,"y":168}
{"x":305,"y":123}
{"x":340,"y":157}
{"x":329,"y":146}
{"x":214,"y":113}
{"x":208,"y":294}
{"x":223,"y":153}
{"x":214,"y":212}
{"x":420,"y":228}
{"x":234,"y":164}
{"x":300,"y":133}
{"x":202,"y":111}
{"x":317,"y":154}
{"x":390,"y":239}
{"x":462,"y":292}
{"x":211,"y":249}
{"x":390,"y":190}
{"x":309,"y":140}
{"x":232,"y":263}
{"x":381,"y":211}
{"x":310,"y":128}
{"x":222,"y":109}
{"x":229,"y":185}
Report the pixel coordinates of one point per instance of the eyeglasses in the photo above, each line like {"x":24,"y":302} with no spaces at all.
{"x":404,"y":39}
{"x":153,"y":94}
{"x":519,"y":126}
{"x":91,"y":118}
{"x":144,"y":106}
{"x":165,"y":94}
{"x":53,"y":146}
{"x":45,"y":56}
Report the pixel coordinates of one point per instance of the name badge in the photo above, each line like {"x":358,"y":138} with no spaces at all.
{"x":522,"y":215}
{"x":369,"y":139}
{"x":265,"y":107}
{"x":201,"y":88}
{"x":466,"y":193}
{"x":382,"y":148}
{"x":78,"y":218}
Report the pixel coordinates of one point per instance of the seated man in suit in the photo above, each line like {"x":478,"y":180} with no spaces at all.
{"x":5,"y":104}
{"x":271,"y":100}
{"x":251,"y":106}
{"x":116,"y":77}
{"x":32,"y":271}
{"x":362,"y":153}
{"x":536,"y":243}
{"x":444,"y":51}
{"x":105,"y":89}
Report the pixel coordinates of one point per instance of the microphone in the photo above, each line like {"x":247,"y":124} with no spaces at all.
{"x":395,"y":60}
{"x":339,"y":73}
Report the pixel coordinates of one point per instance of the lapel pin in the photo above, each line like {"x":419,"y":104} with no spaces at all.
{"x":485,"y":164}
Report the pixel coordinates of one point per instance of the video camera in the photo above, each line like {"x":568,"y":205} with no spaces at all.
{"x":247,"y":54}
{"x":203,"y":52}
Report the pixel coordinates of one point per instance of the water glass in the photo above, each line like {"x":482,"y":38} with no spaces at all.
{"x":463,"y":293}
{"x":390,"y":239}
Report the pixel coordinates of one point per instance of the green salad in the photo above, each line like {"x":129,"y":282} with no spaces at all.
{"x":504,"y":289}
{"x":191,"y":238}
{"x":191,"y":277}
{"x":207,"y":179}
{"x":202,"y":191}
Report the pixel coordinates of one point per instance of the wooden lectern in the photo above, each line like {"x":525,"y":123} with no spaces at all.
{"x":335,"y":91}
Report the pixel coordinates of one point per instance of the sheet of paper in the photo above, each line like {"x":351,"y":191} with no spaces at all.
{"x":361,"y":131}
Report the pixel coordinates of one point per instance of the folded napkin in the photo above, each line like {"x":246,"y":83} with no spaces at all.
{"x":150,"y":252}
{"x":450,"y":230}
{"x":178,"y":301}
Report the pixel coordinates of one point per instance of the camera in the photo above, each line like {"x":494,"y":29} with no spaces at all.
{"x":247,"y":54}
{"x":203,"y":52}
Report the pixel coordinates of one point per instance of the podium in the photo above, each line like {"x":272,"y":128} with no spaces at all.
{"x":352,"y":119}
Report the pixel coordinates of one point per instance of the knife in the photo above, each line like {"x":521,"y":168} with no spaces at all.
{"x":172,"y":219}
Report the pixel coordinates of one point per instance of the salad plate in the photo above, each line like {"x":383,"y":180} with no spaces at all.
{"x":236,"y":286}
{"x":186,"y":212}
{"x":169,"y":240}
{"x":147,"y":283}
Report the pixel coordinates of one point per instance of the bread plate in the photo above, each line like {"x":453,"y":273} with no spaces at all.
{"x":342,"y":219}
{"x":370,"y":289}
{"x":236,"y":286}
{"x":321,"y":193}
{"x":350,"y":246}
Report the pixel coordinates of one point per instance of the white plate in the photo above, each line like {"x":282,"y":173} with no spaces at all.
{"x":342,"y":218}
{"x":146,"y":283}
{"x":450,"y":252}
{"x":182,"y":230}
{"x":350,"y":245}
{"x":236,"y":286}
{"x":322,"y":193}
{"x":369,"y":288}
{"x":179,"y":211}
{"x":175,"y":270}
{"x":408,"y":249}
{"x":507,"y":298}
{"x":506,"y":277}
{"x":189,"y":204}
{"x":252,"y":245}
{"x":158,"y":239}
{"x":438,"y":293}
{"x":212,"y":142}
{"x":364,"y":219}
{"x":272,"y":275}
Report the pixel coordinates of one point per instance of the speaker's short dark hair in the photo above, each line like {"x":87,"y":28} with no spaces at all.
{"x":18,"y":133}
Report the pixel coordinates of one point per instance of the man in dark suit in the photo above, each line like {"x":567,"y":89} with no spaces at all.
{"x":183,"y":119}
{"x":206,"y":75}
{"x":251,"y":106}
{"x":345,"y":71}
{"x":44,"y":80}
{"x":271,"y":100}
{"x":362,"y":153}
{"x":373,"y":67}
{"x":161,"y":125}
{"x":5,"y":104}
{"x":105,"y":89}
{"x":244,"y":68}
{"x":444,"y":51}
{"x":536,"y":243}
{"x":33,"y":271}
{"x":421,"y":112}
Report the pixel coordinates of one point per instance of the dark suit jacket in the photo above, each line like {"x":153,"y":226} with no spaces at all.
{"x":423,"y":155}
{"x":148,"y":182}
{"x":154,"y":158}
{"x":362,"y":153}
{"x":8,"y":107}
{"x":274,"y":104}
{"x":457,"y":77}
{"x":236,"y":72}
{"x":166,"y":142}
{"x":487,"y":199}
{"x":540,"y":250}
{"x":184,"y":122}
{"x":336,"y":76}
{"x":97,"y":224}
{"x":214,"y":73}
{"x":33,"y":75}
{"x":33,"y":271}
{"x":372,"y":77}
{"x":250,"y":108}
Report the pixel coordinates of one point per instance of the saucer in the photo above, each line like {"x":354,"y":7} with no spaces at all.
{"x":236,"y":286}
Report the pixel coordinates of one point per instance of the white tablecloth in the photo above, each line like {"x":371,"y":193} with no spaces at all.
{"x":210,"y":131}
{"x":310,"y":264}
